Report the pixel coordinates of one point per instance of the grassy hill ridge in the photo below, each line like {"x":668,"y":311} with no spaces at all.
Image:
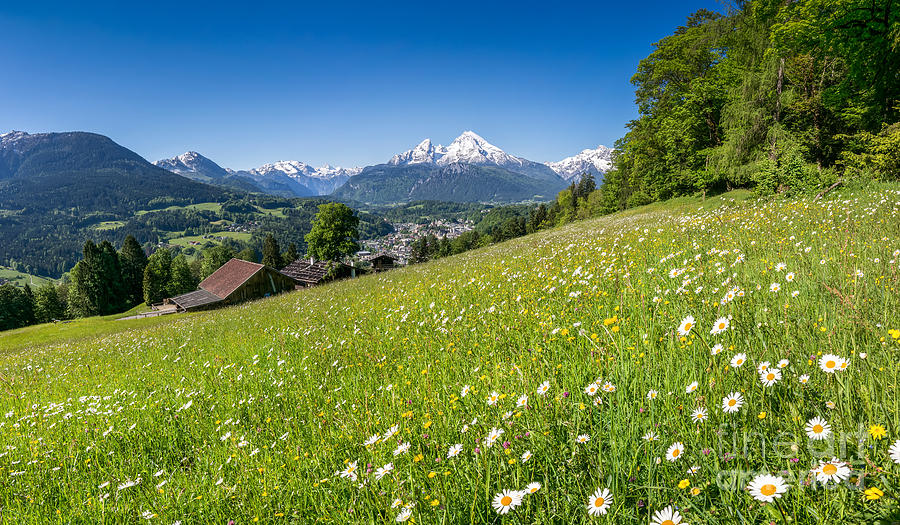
{"x":254,"y":411}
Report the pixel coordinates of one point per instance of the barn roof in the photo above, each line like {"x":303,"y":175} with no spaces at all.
{"x":230,"y":277}
{"x":195,"y":299}
{"x":304,"y":271}
{"x":377,"y":256}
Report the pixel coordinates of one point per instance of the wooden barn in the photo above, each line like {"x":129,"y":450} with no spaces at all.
{"x":309,"y":272}
{"x":236,"y":281}
{"x":381,"y":262}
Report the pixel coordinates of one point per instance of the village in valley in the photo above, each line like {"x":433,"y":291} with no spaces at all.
{"x":399,"y":243}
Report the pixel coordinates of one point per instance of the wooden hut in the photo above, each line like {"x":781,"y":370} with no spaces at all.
{"x":236,"y":281}
{"x":381,"y":262}
{"x":309,"y":272}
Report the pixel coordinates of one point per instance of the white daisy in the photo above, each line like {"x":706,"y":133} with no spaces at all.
{"x":583,"y":438}
{"x":650,"y":436}
{"x":599,"y":502}
{"x":667,"y":516}
{"x":783,"y":364}
{"x":738,"y":360}
{"x":716,"y":349}
{"x":465,"y":391}
{"x":381,"y":472}
{"x":770,"y":377}
{"x":401,"y":448}
{"x":720,"y":326}
{"x":651,"y":395}
{"x":832,"y":471}
{"x":894,"y":451}
{"x":526,"y":456}
{"x":732,"y":402}
{"x":818,"y":429}
{"x":506,"y":501}
{"x":699,"y":415}
{"x":493,"y":398}
{"x":804,"y":379}
{"x":675,"y":451}
{"x":492,"y":437}
{"x":404,"y":515}
{"x":766,"y":488}
{"x":543,"y":388}
{"x":686,"y":324}
{"x":532,"y":487}
{"x":350,"y":471}
{"x":454,"y":450}
{"x":522,"y":402}
{"x":691,"y":387}
{"x":831,"y":363}
{"x":591,"y":389}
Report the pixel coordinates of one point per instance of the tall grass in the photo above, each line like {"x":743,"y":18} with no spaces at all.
{"x":251,"y":413}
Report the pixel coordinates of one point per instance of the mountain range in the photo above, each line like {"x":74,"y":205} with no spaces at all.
{"x":55,"y":186}
{"x":468,"y":169}
{"x":285,"y":178}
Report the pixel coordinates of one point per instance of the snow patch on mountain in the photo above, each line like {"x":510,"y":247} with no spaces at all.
{"x":193,"y":165}
{"x":594,"y":161}
{"x":298,"y":170}
{"x":470,"y":148}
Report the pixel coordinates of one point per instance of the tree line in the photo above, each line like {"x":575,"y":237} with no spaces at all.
{"x":580,"y":200}
{"x":106,"y":281}
{"x":775,"y":96}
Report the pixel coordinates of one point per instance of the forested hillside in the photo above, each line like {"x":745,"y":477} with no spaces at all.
{"x":777,"y":96}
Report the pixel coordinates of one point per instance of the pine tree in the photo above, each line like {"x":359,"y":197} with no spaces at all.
{"x":133,"y":260}
{"x":113,"y":296}
{"x":290,"y":255}
{"x":271,"y":253}
{"x":87,"y":290}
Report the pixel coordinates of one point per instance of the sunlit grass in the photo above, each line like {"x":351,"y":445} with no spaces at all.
{"x":251,"y":412}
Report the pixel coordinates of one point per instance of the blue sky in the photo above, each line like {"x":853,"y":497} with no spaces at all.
{"x":330,"y":82}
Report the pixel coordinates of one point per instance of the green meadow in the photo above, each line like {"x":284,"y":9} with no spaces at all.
{"x":583,"y":374}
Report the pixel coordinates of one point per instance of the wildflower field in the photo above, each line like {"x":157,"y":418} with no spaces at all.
{"x":726,"y":361}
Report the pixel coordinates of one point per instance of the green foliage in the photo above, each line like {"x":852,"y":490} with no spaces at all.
{"x":271,"y":253}
{"x":16,"y":307}
{"x":133,"y":260}
{"x":777,"y":96}
{"x":48,"y":304}
{"x":290,"y":255}
{"x":248,"y":254}
{"x":157,"y":276}
{"x":871,"y":155}
{"x":193,"y":399}
{"x":213,"y":259}
{"x":334,"y":232}
{"x":181,"y":279}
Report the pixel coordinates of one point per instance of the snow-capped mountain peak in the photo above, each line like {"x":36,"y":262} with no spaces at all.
{"x":298,"y":170}
{"x":423,"y":153}
{"x":287,"y":167}
{"x":471,"y":148}
{"x":193,"y":165}
{"x":468,"y":148}
{"x":594,"y":161}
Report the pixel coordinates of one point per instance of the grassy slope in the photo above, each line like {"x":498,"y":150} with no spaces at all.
{"x":249,"y":412}
{"x":21,"y":278}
